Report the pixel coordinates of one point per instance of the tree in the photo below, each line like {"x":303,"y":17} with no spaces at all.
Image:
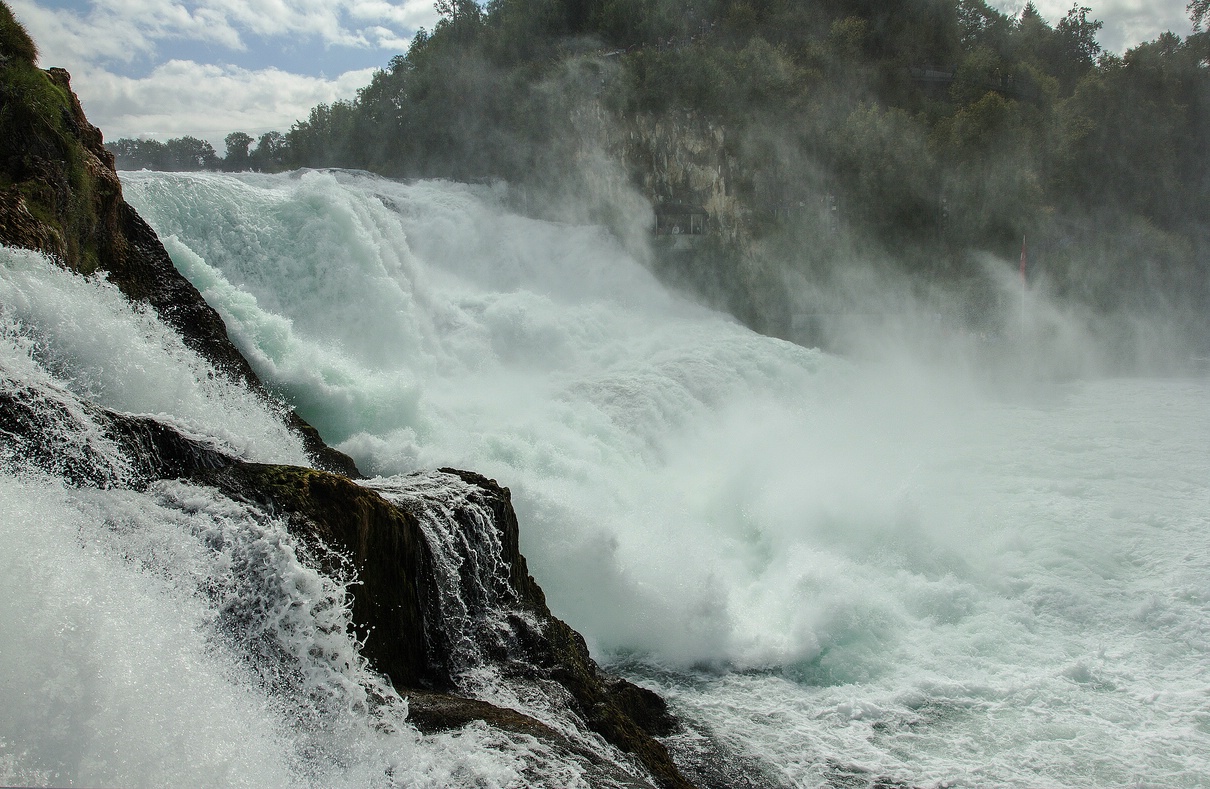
{"x":139,"y":154}
{"x":269,"y":152}
{"x":457,"y":9}
{"x":979,"y":24}
{"x":1199,"y":12}
{"x":237,"y":151}
{"x":190,"y":153}
{"x":1033,"y":38}
{"x":1079,"y":36}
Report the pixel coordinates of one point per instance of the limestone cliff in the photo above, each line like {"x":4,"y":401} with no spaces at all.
{"x":688,"y":166}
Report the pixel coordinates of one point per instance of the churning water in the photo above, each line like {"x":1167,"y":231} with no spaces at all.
{"x":172,"y":636}
{"x":838,"y":570}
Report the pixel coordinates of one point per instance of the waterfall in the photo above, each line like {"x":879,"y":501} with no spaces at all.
{"x":839,"y":572}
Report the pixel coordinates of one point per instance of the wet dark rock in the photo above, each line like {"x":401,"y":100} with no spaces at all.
{"x":394,"y":597}
{"x":54,"y":431}
{"x":60,"y":195}
{"x":395,"y":603}
{"x":435,"y":712}
{"x":627,"y":716}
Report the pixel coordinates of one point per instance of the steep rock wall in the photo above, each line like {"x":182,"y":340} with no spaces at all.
{"x":60,"y":195}
{"x":682,"y":159}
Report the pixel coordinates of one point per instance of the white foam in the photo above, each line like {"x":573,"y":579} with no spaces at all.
{"x":925,"y":580}
{"x":86,"y":337}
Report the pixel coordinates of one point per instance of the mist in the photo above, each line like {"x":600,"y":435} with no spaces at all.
{"x":916,"y":540}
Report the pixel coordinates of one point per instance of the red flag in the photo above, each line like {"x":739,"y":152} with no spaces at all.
{"x":1023,"y":287}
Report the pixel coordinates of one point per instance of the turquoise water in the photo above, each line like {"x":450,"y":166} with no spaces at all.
{"x":838,"y":569}
{"x":172,"y":636}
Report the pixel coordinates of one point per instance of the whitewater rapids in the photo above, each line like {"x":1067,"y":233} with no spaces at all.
{"x":839,"y":570}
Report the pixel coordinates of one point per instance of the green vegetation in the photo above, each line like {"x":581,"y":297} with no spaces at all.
{"x":14,"y":40}
{"x":178,"y":154}
{"x":51,"y":181}
{"x":183,"y":154}
{"x":910,"y":131}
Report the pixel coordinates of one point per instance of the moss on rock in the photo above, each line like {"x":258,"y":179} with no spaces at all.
{"x":60,"y":195}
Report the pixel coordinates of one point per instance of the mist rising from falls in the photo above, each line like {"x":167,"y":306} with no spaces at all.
{"x":538,"y":353}
{"x":892,"y":561}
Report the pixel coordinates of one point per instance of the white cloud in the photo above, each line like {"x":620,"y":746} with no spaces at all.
{"x":1131,"y":22}
{"x":384,"y":38}
{"x":409,"y":14}
{"x":108,"y":45}
{"x":181,"y":97}
{"x":1128,"y":23}
{"x":121,"y":31}
{"x":124,"y":30}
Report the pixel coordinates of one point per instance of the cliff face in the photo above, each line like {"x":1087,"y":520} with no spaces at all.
{"x":685,"y":164}
{"x":60,"y":195}
{"x":683,"y":159}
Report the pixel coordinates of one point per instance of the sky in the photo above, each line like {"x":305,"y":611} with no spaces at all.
{"x":168,"y":68}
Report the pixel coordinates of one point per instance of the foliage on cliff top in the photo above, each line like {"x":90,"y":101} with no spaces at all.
{"x":53,"y":172}
{"x":850,"y":86}
{"x":489,"y":91}
{"x":14,"y":40}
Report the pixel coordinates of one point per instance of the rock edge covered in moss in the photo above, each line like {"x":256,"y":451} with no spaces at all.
{"x":60,"y":195}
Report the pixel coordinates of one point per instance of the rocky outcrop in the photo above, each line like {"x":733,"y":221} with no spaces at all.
{"x":679,"y":161}
{"x":398,"y":613}
{"x":60,"y":195}
{"x":624,"y":714}
{"x":681,"y":158}
{"x":396,"y":607}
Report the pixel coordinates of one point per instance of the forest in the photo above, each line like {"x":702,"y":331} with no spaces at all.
{"x":932,"y":128}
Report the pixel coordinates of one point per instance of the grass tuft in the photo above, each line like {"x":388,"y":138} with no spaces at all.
{"x":14,"y":40}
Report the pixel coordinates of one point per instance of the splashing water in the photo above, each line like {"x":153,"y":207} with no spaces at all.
{"x":475,"y":599}
{"x":170,"y":635}
{"x":83,"y":336}
{"x":839,"y":570}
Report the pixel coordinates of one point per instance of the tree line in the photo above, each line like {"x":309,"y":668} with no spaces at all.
{"x":181,"y":154}
{"x":1025,"y":115}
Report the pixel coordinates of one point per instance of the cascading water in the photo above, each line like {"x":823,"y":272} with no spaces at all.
{"x":164,"y":634}
{"x":475,"y":599}
{"x":838,"y":571}
{"x":484,"y":622}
